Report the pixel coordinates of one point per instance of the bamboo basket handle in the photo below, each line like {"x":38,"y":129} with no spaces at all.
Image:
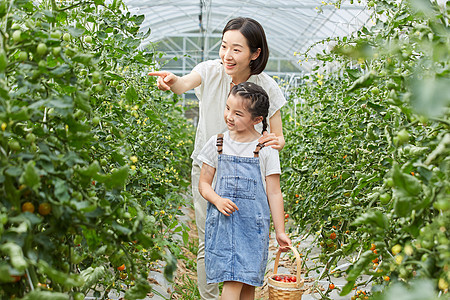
{"x":297,"y":259}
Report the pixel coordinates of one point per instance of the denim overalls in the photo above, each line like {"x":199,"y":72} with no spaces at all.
{"x":237,"y":246}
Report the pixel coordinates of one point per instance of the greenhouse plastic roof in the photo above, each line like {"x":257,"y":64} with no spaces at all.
{"x":290,"y":26}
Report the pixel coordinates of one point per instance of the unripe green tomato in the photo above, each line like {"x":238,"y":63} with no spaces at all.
{"x":14,"y":145}
{"x":423,"y":119}
{"x":427,"y":244}
{"x":65,"y":267}
{"x":385,"y":198}
{"x":15,"y":26}
{"x":75,"y":258}
{"x":77,"y":195}
{"x":442,"y":204}
{"x":56,"y":51}
{"x":96,"y":76}
{"x":78,"y":296}
{"x":403,"y":136}
{"x":17,"y":36}
{"x":30,"y":137}
{"x":78,"y":239}
{"x":99,"y":88}
{"x":67,"y":37}
{"x":375,"y":90}
{"x":88,"y":39}
{"x":42,"y":63}
{"x":41,"y":49}
{"x":103,"y":162}
{"x":78,"y":114}
{"x":424,"y":257}
{"x":69,"y":52}
{"x":23,"y":55}
{"x":114,"y":83}
{"x":389,"y":182}
{"x":95,"y":121}
{"x":55,"y":34}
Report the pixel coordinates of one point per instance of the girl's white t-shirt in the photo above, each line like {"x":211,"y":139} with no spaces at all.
{"x":269,"y":160}
{"x":212,"y":94}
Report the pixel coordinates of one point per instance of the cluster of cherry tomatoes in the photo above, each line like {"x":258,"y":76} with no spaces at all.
{"x":285,"y":278}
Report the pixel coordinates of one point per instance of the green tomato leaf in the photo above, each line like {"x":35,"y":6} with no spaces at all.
{"x":118,"y":177}
{"x":91,"y":170}
{"x":405,"y":184}
{"x":31,"y":177}
{"x":45,"y":295}
{"x":348,"y":287}
{"x":92,"y":276}
{"x":373,"y":217}
{"x":15,"y":253}
{"x":72,"y":280}
{"x":359,"y":266}
{"x":131,"y":94}
{"x":139,"y":291}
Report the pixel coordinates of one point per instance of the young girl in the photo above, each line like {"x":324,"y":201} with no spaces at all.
{"x":247,"y":191}
{"x":243,"y":57}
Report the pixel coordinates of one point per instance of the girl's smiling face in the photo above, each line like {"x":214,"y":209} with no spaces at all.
{"x":236,"y":55}
{"x":236,"y":116}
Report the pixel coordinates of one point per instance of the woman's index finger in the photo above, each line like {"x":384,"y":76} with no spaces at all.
{"x":158,"y":73}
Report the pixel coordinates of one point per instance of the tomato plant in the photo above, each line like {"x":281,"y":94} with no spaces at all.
{"x":88,"y":142}
{"x":367,"y":146}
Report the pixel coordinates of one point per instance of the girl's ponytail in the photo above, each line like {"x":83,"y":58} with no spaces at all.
{"x":258,"y":104}
{"x":264,"y":123}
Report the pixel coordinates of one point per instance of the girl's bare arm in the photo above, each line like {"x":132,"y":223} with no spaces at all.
{"x":277,"y":209}
{"x":224,"y":205}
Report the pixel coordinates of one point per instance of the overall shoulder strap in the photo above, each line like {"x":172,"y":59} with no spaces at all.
{"x":258,"y":147}
{"x":219,"y":143}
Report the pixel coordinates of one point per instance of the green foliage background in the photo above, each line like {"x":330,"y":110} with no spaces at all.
{"x":85,"y":131}
{"x":367,"y":153}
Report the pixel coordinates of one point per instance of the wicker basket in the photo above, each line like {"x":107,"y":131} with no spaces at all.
{"x":279,"y":290}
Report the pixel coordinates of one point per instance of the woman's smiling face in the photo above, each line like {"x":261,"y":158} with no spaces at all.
{"x":236,"y":55}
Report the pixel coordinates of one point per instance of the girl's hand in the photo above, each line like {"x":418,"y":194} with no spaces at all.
{"x":284,"y":241}
{"x":165,"y":79}
{"x":270,"y":139}
{"x":226,"y":206}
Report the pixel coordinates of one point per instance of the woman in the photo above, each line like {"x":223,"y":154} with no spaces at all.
{"x":243,"y":57}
